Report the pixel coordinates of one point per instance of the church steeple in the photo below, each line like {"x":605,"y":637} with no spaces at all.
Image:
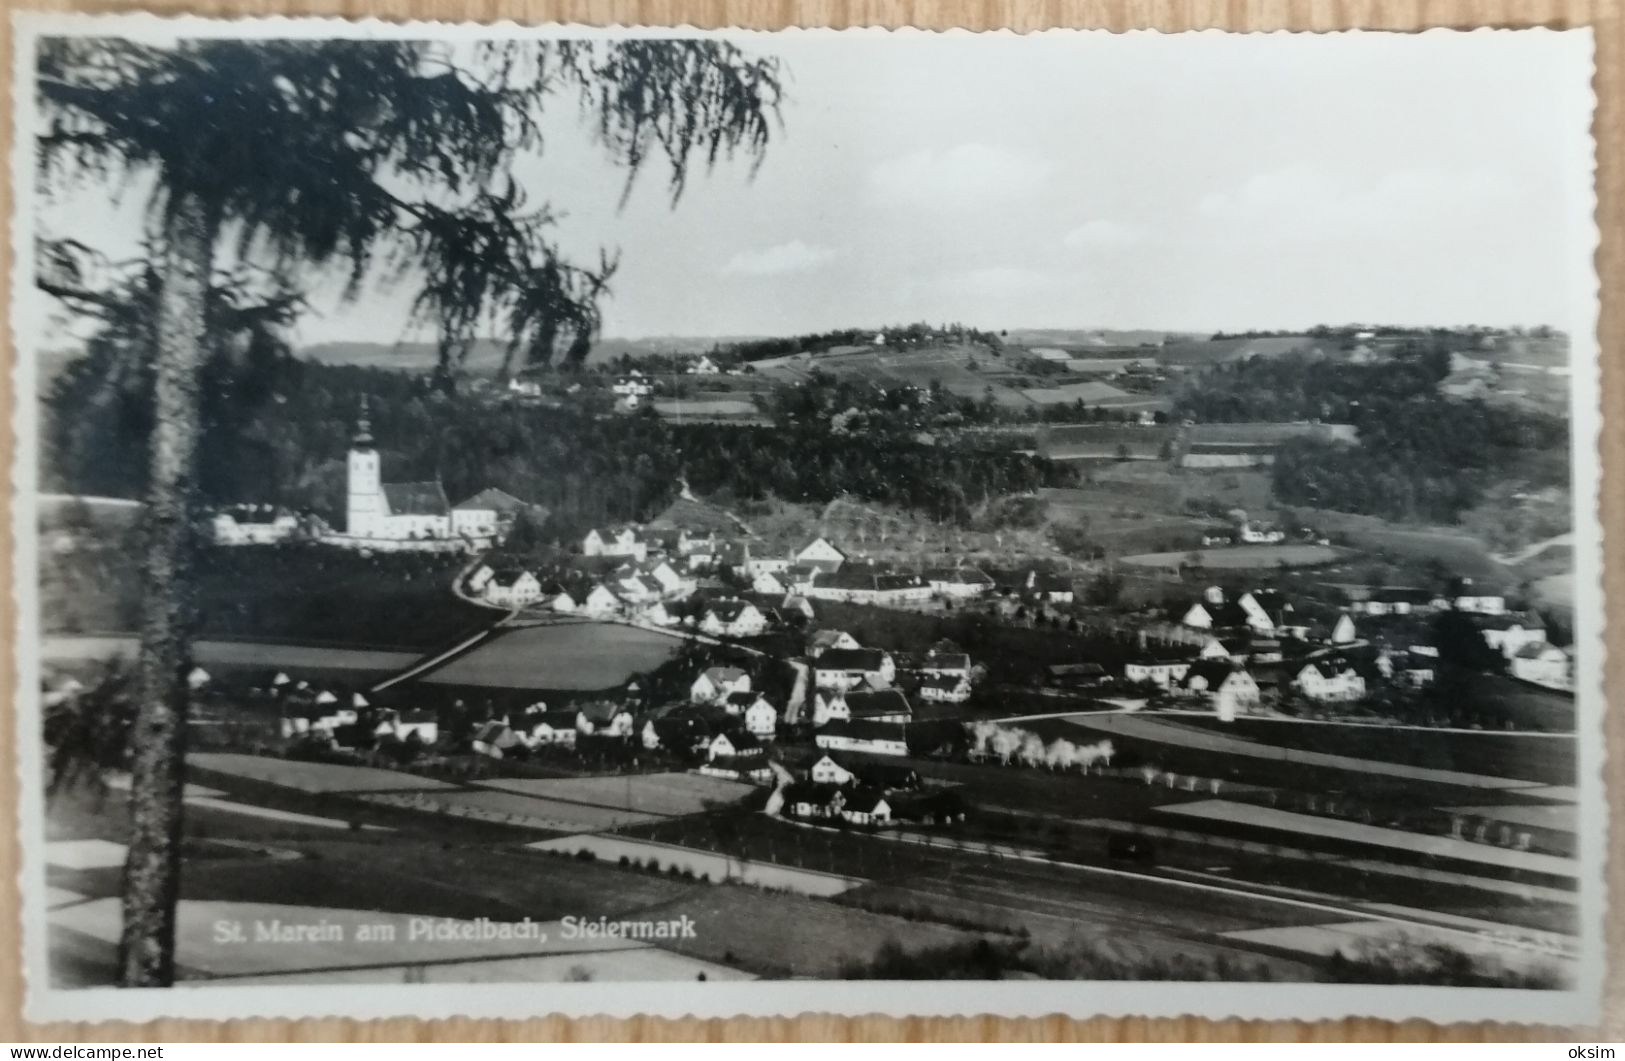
{"x":363,"y":428}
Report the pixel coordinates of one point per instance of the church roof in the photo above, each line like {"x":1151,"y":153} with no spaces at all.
{"x":416,"y":499}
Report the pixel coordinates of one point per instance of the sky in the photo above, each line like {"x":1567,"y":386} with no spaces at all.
{"x":1180,"y":182}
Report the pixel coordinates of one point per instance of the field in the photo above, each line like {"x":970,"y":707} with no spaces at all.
{"x":1245,"y":556}
{"x":509,"y":808}
{"x":732,"y":410}
{"x":706,"y":865}
{"x":662,"y":795}
{"x":1417,"y":547}
{"x":1357,"y":832}
{"x":311,"y":776}
{"x":1548,"y":760}
{"x":566,"y":656}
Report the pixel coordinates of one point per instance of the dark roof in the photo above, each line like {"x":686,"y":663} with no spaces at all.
{"x":888,"y":775}
{"x":865,"y":576}
{"x":947,"y":661}
{"x":942,"y":681}
{"x":818,"y":793}
{"x":878,"y":702}
{"x":496,"y":500}
{"x":1507,"y":622}
{"x":969,"y":576}
{"x":744,"y":699}
{"x":254,"y":513}
{"x":416,"y":499}
{"x":1214,"y":671}
{"x":864,"y":800}
{"x":1078,"y":670}
{"x":743,"y":741}
{"x":559,"y":719}
{"x":865,"y":730}
{"x":728,"y":610}
{"x":723,"y":674}
{"x":1330,"y":668}
{"x":864,"y":659}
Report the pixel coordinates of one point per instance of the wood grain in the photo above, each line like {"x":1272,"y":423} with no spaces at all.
{"x":1168,"y":15}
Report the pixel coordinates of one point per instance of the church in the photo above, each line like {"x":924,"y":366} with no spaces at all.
{"x":416,"y":515}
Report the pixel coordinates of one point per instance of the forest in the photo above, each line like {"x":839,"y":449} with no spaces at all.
{"x":276,"y":430}
{"x":1420,"y":456}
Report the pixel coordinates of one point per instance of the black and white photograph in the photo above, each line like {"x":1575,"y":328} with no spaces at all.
{"x":522,"y":520}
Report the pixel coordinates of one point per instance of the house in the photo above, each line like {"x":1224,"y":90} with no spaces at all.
{"x":959,"y":583}
{"x":1544,"y":664}
{"x":822,"y":554}
{"x":866,"y":807}
{"x":1250,"y":611}
{"x":702,"y":366}
{"x":867,"y":584}
{"x":1508,"y":634}
{"x":945,"y":689}
{"x":605,"y":720}
{"x":762,"y":720}
{"x":671,"y":582}
{"x":1478,"y":604}
{"x":601,"y":602}
{"x":843,"y":668}
{"x":479,"y":577}
{"x":1389,"y":600}
{"x":677,"y":732}
{"x":511,"y":587}
{"x":494,"y":739}
{"x":553,"y":728}
{"x":775,"y":582}
{"x":635,"y":588}
{"x":826,"y":771}
{"x":1343,"y":632}
{"x":615,"y":541}
{"x":738,"y":703}
{"x":253,"y":525}
{"x":887,"y":777}
{"x":829,"y":705}
{"x":1330,"y":680}
{"x":632,"y":388}
{"x":879,"y":738}
{"x":1050,"y":588}
{"x":656,"y":614}
{"x":421,"y":726}
{"x":812,"y":799}
{"x":1163,"y":673}
{"x":823,"y":640}
{"x":945,"y":665}
{"x":1229,"y":688}
{"x":795,"y":604}
{"x":715,"y":683}
{"x":489,"y":515}
{"x":562,"y":600}
{"x":732,"y":618}
{"x":1076,"y":675}
{"x":1253,"y":534}
{"x":881,"y":705}
{"x":736,"y":745}
{"x":398,"y":516}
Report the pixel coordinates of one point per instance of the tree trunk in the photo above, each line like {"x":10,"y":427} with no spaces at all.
{"x":158,"y":742}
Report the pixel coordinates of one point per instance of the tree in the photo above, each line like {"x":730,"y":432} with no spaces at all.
{"x":387,"y":156}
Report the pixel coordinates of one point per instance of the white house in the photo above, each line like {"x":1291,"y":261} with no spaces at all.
{"x":824,"y":640}
{"x":615,"y":541}
{"x":732,"y":618}
{"x":703,"y":366}
{"x":826,"y":771}
{"x":601,"y":602}
{"x":714,"y":683}
{"x":843,"y":668}
{"x":1508,"y":635}
{"x":733,"y":745}
{"x":423,"y":726}
{"x":829,"y":705}
{"x":866,"y":807}
{"x":1230,"y":689}
{"x":253,"y":525}
{"x":822,"y":554}
{"x":512,"y":588}
{"x":1252,"y":534}
{"x":1343,"y":633}
{"x":1480,"y":604}
{"x":487,"y":516}
{"x":775,"y":582}
{"x":556,"y":728}
{"x":761,"y":719}
{"x":1544,"y":664}
{"x":738,"y":703}
{"x":945,"y":665}
{"x":1330,"y":680}
{"x":1159,"y":672}
{"x":959,"y":583}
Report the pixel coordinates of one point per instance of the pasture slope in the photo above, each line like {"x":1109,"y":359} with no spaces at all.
{"x":559,"y":657}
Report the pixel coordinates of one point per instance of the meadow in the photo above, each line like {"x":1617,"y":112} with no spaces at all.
{"x":1245,"y":557}
{"x":566,"y":656}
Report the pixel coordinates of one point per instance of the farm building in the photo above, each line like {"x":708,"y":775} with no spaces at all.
{"x":867,"y":585}
{"x":1076,"y":675}
{"x":1228,"y":688}
{"x":715,"y":683}
{"x":866,"y":807}
{"x":945,"y":689}
{"x":615,"y":541}
{"x":733,"y":618}
{"x":826,"y":771}
{"x":1163,"y":673}
{"x":1509,"y":634}
{"x":879,"y":738}
{"x":823,"y":640}
{"x":959,"y":583}
{"x":736,"y":745}
{"x":829,"y":705}
{"x":511,"y":587}
{"x":881,"y":705}
{"x":1544,"y":664}
{"x":821,"y":553}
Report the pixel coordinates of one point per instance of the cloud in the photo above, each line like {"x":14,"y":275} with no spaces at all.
{"x":956,"y":178}
{"x":792,"y":257}
{"x":1101,"y":233}
{"x":1308,"y":203}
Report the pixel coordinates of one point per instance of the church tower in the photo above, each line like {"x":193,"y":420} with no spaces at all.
{"x":364,"y":516}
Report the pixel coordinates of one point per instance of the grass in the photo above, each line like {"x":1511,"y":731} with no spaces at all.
{"x":559,"y":656}
{"x":296,"y":594}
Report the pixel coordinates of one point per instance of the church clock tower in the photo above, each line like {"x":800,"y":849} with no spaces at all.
{"x":364,"y":516}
